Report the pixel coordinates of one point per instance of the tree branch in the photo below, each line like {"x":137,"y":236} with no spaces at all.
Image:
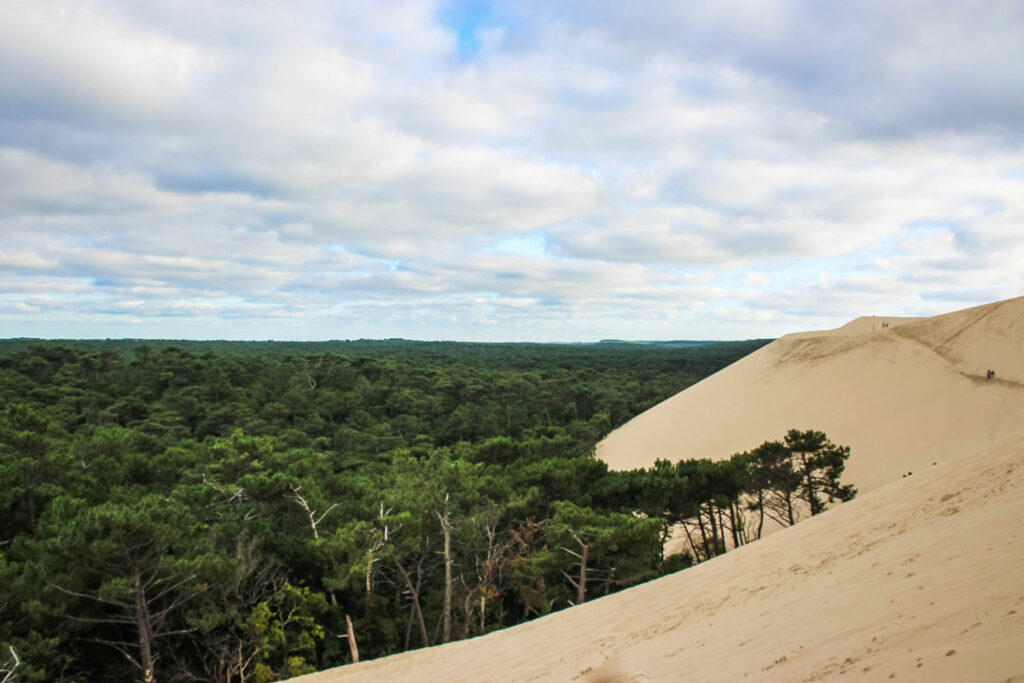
{"x":314,"y":521}
{"x":171,"y":587}
{"x":95,"y":598}
{"x":121,"y":647}
{"x":100,"y":620}
{"x":576,"y":555}
{"x":9,"y":671}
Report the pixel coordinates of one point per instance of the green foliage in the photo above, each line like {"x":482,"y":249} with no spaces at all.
{"x":285,"y":632}
{"x":819,"y":464}
{"x":215,"y":510}
{"x":620,"y":549}
{"x":801,"y":469}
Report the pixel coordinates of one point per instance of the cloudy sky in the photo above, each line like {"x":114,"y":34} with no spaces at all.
{"x":526,"y":170}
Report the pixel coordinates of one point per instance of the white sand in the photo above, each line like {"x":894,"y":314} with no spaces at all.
{"x":921,"y":578}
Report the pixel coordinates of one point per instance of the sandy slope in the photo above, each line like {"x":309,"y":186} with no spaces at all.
{"x":921,"y":578}
{"x":902,"y":397}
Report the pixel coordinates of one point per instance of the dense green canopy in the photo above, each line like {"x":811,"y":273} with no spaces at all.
{"x":217,"y":510}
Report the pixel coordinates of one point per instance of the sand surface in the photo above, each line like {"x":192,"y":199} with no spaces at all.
{"x":902,"y":396}
{"x":921,"y":578}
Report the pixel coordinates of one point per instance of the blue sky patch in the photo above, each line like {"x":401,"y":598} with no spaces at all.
{"x":466,"y":19}
{"x":534,"y":245}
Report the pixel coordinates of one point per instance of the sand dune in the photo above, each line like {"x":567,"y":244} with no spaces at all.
{"x":921,"y":578}
{"x":902,"y":396}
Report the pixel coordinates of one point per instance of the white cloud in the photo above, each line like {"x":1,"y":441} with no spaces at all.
{"x":63,"y":53}
{"x":755,"y":279}
{"x":591,"y":170}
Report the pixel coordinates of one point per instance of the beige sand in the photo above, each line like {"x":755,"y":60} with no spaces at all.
{"x":902,"y":397}
{"x":921,"y":578}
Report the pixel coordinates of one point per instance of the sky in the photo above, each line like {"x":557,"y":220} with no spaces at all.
{"x":505,"y":171}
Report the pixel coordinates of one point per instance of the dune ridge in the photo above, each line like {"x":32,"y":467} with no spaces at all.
{"x":917,"y":579}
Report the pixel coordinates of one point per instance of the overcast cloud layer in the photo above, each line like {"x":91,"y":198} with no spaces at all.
{"x":505,"y":171}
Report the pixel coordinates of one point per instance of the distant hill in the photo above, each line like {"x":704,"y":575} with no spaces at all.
{"x":344,"y":347}
{"x":649,"y":360}
{"x":682,"y":343}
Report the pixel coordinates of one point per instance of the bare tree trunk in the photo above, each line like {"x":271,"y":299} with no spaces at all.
{"x":143,"y":625}
{"x":703,"y":533}
{"x":580,"y":581}
{"x":714,"y":530}
{"x":419,"y":607}
{"x":732,"y":526}
{"x":581,"y":591}
{"x":760,"y":508}
{"x":666,"y":530}
{"x":377,"y":545}
{"x":812,"y":498}
{"x":415,"y":595}
{"x":352,"y":640}
{"x":408,"y":631}
{"x":446,"y":529}
{"x":369,"y":573}
{"x":467,"y":613}
{"x":721,"y":529}
{"x":609,"y":581}
{"x":10,"y":666}
{"x":741,"y":520}
{"x":689,"y":538}
{"x":314,"y":521}
{"x":241,"y":666}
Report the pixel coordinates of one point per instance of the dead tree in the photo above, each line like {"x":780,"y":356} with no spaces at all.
{"x":580,"y":582}
{"x":444,"y":517}
{"x":152,"y":597}
{"x":233,"y":651}
{"x":375,"y":546}
{"x":9,"y":666}
{"x":314,"y":520}
{"x":488,"y":570}
{"x":352,"y":640}
{"x":414,"y":595}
